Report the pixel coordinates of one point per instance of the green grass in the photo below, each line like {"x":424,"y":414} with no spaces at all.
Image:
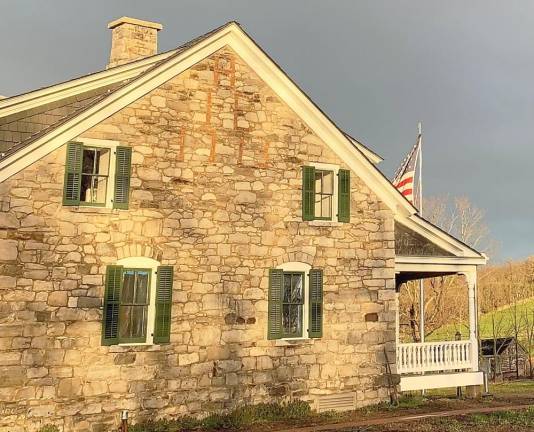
{"x":448,"y":332}
{"x":522,"y":418}
{"x":517,"y":418}
{"x":507,"y":388}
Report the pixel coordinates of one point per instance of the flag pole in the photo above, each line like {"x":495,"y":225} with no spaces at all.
{"x":420,"y":130}
{"x":421,"y":282}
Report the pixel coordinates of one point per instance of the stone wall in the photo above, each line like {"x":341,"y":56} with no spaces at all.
{"x":216,"y":192}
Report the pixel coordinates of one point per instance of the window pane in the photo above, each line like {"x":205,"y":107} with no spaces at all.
{"x":85,"y":188}
{"x":132,"y":322}
{"x":292,"y":320}
{"x":88,"y":161}
{"x":93,"y":189}
{"x":102,"y":163}
{"x":286,"y":319}
{"x":326,"y":206}
{"x":318,"y":181}
{"x":286,"y":298}
{"x":100,"y":185}
{"x":296,"y":282}
{"x":328,"y":182}
{"x":128,"y":287}
{"x":141,"y":288}
{"x":296,"y":320}
{"x":318,"y":212}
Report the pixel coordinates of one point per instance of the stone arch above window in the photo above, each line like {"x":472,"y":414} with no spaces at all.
{"x":139,"y":250}
{"x":295,"y":256}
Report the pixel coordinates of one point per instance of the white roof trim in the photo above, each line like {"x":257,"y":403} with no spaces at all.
{"x":233,"y":36}
{"x":433,"y":265}
{"x":431,"y":260}
{"x":75,"y":86}
{"x":371,"y":155}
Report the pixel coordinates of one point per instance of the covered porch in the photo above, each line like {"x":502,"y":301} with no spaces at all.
{"x":426,"y":365}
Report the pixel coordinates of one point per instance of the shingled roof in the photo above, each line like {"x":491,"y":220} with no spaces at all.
{"x":18,"y":128}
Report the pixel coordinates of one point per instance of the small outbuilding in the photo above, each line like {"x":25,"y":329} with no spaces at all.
{"x":503,"y":358}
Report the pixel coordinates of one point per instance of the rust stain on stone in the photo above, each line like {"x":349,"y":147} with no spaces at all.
{"x":241,"y":145}
{"x":266,"y":145}
{"x":208,"y":109}
{"x":213,"y":145}
{"x":182,"y":145}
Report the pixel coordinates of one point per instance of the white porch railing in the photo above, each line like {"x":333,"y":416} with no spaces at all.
{"x":433,"y":356}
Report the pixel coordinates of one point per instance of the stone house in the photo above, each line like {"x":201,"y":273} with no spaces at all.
{"x":186,"y":231}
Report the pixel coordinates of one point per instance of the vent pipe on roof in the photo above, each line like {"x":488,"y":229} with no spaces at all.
{"x":132,"y":39}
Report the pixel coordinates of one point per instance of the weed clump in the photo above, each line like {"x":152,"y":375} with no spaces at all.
{"x":238,"y":418}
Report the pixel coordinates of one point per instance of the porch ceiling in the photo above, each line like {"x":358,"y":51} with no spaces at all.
{"x":403,"y":277}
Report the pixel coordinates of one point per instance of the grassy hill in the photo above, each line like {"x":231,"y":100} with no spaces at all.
{"x":503,"y":318}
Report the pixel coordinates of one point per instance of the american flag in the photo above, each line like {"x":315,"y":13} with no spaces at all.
{"x":405,"y":175}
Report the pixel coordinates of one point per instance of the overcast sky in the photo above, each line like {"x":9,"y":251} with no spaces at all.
{"x":464,"y":68}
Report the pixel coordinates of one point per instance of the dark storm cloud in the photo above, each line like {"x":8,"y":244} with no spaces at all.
{"x":464,"y":68}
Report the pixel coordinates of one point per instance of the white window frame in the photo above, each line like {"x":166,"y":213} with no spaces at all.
{"x":296,"y":266}
{"x":152,"y":264}
{"x":112,"y":146}
{"x":335,"y":200}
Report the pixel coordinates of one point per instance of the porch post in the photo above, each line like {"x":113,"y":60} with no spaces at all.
{"x":471,"y":278}
{"x":397,"y":316}
{"x":422,"y":310}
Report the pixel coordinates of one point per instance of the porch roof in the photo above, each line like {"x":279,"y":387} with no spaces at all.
{"x":422,"y":250}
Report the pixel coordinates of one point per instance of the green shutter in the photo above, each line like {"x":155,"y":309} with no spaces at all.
{"x":123,"y":162}
{"x":308,"y":193}
{"x":274,"y":327}
{"x":110,"y":318}
{"x":343,"y":191}
{"x":162,"y":327}
{"x":73,"y":174}
{"x":316,"y":304}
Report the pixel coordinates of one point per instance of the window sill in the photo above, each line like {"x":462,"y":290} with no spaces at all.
{"x":94,"y":210}
{"x":134,"y":347}
{"x":325,"y":223}
{"x":293,"y":342}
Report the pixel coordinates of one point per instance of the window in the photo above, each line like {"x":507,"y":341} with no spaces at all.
{"x":324,"y":192}
{"x":295,"y":302}
{"x":97,"y":173}
{"x":137,"y":302}
{"x":133,"y":309}
{"x":292,"y":304}
{"x":323,"y":196}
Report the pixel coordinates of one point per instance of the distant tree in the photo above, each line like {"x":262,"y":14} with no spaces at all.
{"x":528,"y":325}
{"x":445,"y":296}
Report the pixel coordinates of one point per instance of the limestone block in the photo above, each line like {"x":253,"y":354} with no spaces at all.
{"x":69,"y":387}
{"x":8,"y":250}
{"x":58,"y":298}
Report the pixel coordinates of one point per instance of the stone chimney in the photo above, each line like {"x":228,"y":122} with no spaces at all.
{"x":132,"y":39}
